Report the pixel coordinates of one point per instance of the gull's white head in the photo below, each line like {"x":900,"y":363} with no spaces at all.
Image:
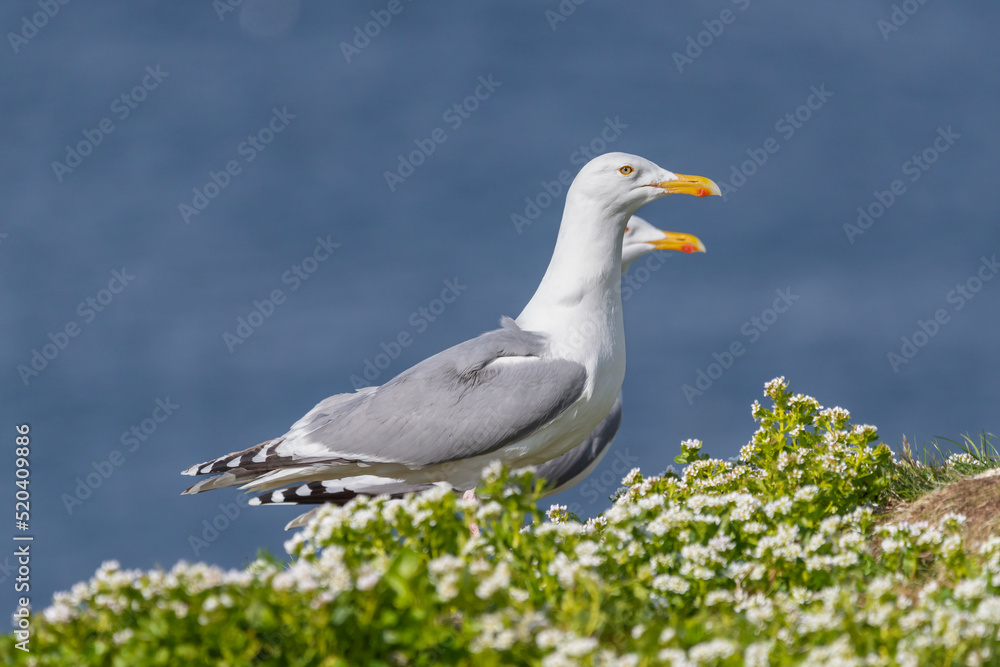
{"x":642,"y":238}
{"x":621,"y":183}
{"x":585,"y":271}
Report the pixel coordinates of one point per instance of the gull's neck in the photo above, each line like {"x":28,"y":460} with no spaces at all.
{"x":578,"y":303}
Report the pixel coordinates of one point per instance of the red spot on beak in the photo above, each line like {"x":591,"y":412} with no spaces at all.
{"x":688,"y":248}
{"x":703,"y":192}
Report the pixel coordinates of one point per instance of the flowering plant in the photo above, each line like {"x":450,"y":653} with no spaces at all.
{"x":776,"y":558}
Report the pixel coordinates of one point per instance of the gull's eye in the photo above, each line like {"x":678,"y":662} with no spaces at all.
{"x":626,"y":170}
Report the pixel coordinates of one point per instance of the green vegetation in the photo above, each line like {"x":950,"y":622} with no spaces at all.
{"x":939,"y":467}
{"x":785,"y":556}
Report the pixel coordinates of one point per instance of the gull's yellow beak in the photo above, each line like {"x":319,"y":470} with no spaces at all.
{"x":683,"y":242}
{"x":699,"y":186}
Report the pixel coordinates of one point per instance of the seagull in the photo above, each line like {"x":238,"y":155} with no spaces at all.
{"x":522,"y":394}
{"x":559,"y":474}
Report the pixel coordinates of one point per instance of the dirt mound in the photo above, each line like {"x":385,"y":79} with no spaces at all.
{"x":977,"y":497}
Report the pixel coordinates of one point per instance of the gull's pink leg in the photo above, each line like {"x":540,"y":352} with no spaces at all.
{"x":471,"y":495}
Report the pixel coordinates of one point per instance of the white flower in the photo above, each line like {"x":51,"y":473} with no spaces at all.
{"x":632,"y":477}
{"x":500,"y":579}
{"x":60,"y":612}
{"x":489,"y":510}
{"x":715,"y":649}
{"x":721,"y":542}
{"x":180,"y":609}
{"x":491,"y":472}
{"x":671,"y":583}
{"x":579,"y":647}
{"x":518,"y":594}
{"x":556,"y":513}
{"x":879,"y":586}
{"x":970,"y":589}
{"x":951,"y":545}
{"x":367,"y":578}
{"x":806,"y":493}
{"x":758,"y":654}
{"x":564,"y":569}
{"x":989,"y":611}
{"x":651,"y":502}
{"x":782,"y":544}
{"x":867,"y":431}
{"x":716,"y":597}
{"x":361,"y":518}
{"x":782,"y":505}
{"x":438,"y":492}
{"x":835,"y":414}
{"x":587,"y":553}
{"x":952,"y":518}
{"x":494,"y":634}
{"x":838,"y":652}
{"x":738,"y":570}
{"x":963,"y":457}
{"x":674,"y":657}
{"x":548,"y":638}
{"x":758,"y":609}
{"x":774,"y":386}
{"x":803,"y":400}
{"x":616,"y":514}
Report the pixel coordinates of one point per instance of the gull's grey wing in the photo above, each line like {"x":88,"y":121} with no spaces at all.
{"x":328,"y":405}
{"x":559,"y":474}
{"x":468,"y":400}
{"x":245,"y":465}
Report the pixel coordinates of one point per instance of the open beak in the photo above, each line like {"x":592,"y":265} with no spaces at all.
{"x":687,"y":243}
{"x":699,"y":186}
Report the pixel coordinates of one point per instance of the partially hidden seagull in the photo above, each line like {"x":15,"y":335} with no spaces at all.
{"x":559,"y":474}
{"x":522,"y":394}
